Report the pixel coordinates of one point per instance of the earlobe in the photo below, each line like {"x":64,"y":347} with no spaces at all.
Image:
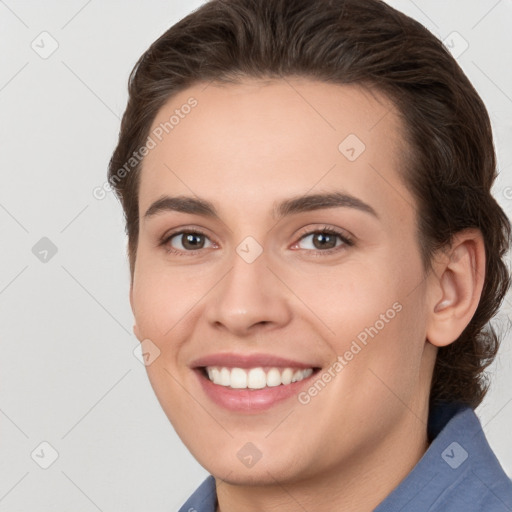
{"x":456,"y":285}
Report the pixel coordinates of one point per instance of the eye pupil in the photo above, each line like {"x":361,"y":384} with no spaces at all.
{"x":190,"y":241}
{"x":323,"y":240}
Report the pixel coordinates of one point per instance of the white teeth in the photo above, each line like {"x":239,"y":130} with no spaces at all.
{"x":225,"y":377}
{"x":255,"y":378}
{"x":238,"y":378}
{"x":273,"y":378}
{"x":286,"y":376}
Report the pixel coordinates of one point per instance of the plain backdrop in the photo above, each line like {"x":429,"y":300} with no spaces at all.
{"x":68,"y":374}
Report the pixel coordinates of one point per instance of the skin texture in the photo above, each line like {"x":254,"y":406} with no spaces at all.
{"x":244,"y":148}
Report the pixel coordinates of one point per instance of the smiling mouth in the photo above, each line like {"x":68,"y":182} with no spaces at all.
{"x":255,"y":378}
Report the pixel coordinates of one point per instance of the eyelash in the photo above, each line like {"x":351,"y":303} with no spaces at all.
{"x":347,"y":241}
{"x":171,"y":250}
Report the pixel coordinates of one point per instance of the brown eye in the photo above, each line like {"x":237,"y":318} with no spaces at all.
{"x":188,"y":241}
{"x":323,"y":240}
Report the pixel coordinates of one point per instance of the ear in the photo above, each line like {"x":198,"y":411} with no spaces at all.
{"x":455,"y":287}
{"x":135,"y":328}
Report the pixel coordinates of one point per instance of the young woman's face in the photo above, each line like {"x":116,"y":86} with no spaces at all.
{"x":287,"y":250}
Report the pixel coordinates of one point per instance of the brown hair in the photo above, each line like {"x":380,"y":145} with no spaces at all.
{"x":451,"y":163}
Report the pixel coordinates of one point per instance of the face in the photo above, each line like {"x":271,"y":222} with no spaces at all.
{"x":278,"y":283}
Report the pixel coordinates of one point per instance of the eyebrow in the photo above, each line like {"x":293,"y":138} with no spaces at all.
{"x":306,"y":203}
{"x":182,"y":204}
{"x":294,"y":205}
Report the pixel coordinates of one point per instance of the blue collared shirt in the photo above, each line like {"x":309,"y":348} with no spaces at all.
{"x":458,"y":473}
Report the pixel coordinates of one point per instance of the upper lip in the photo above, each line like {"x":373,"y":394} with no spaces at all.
{"x":233,"y":360}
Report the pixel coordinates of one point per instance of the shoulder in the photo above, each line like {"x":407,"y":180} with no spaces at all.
{"x":459,"y":471}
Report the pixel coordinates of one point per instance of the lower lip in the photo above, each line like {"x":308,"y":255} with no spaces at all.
{"x":250,"y":400}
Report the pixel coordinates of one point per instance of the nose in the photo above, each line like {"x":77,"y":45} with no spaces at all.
{"x":248,"y":299}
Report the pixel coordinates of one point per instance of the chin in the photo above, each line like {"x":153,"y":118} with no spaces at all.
{"x":280,"y":468}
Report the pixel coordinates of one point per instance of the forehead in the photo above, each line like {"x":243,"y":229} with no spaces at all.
{"x":258,"y":140}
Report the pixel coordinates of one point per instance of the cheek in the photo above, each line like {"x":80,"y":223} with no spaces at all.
{"x":163,"y":298}
{"x":384,"y":349}
{"x":349,"y":298}
{"x":373,"y":311}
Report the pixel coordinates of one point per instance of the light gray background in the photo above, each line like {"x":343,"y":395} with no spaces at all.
{"x":68,"y":373}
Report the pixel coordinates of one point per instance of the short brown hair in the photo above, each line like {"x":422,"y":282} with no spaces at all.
{"x":451,"y":164}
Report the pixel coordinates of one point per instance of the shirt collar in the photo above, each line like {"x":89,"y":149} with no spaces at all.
{"x":458,"y":471}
